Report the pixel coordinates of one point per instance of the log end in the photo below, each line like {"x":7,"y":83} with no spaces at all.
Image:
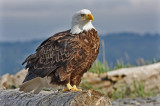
{"x":90,"y":98}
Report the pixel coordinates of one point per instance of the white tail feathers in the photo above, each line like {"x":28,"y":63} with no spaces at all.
{"x":34,"y":85}
{"x":37,"y":84}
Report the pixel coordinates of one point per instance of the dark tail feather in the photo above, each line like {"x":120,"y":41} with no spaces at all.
{"x":24,"y":62}
{"x":32,"y":56}
{"x":29,"y":76}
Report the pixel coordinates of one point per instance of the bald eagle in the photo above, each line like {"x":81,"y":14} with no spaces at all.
{"x":63,"y":58}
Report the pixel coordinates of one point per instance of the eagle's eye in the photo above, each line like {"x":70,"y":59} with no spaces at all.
{"x":82,"y":15}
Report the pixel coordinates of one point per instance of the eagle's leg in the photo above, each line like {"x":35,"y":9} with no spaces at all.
{"x":74,"y":88}
{"x":68,"y":88}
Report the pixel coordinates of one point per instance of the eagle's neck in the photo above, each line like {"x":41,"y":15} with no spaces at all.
{"x":80,"y":27}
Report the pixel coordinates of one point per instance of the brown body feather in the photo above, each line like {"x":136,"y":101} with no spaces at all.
{"x":64,"y":57}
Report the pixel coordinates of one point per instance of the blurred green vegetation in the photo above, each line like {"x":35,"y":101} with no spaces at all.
{"x":139,"y":91}
{"x":122,"y":91}
{"x":98,"y":67}
{"x":11,"y":86}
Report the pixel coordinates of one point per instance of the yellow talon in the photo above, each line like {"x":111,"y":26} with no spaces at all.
{"x":65,"y":89}
{"x":74,"y":88}
{"x":70,"y":88}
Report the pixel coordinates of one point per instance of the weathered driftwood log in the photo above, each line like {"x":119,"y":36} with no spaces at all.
{"x":53,"y":98}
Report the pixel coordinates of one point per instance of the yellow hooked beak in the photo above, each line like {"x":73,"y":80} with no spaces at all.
{"x":89,"y":17}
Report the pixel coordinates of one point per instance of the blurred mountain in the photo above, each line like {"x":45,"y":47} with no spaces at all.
{"x":127,"y":47}
{"x":130,"y":47}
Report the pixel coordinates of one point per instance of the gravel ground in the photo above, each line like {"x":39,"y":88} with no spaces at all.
{"x":154,"y":101}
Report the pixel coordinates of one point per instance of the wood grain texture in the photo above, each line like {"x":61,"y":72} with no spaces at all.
{"x":53,"y":98}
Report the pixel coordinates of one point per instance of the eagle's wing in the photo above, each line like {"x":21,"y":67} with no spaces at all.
{"x":58,"y":54}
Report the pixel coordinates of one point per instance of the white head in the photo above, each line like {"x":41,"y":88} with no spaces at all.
{"x":81,"y":21}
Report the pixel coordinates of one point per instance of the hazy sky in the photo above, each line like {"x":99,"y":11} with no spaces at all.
{"x":22,"y":20}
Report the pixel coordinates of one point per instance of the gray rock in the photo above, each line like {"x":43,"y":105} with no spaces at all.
{"x":152,"y":101}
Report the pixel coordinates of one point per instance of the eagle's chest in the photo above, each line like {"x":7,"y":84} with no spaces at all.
{"x":91,"y":45}
{"x":94,"y":47}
